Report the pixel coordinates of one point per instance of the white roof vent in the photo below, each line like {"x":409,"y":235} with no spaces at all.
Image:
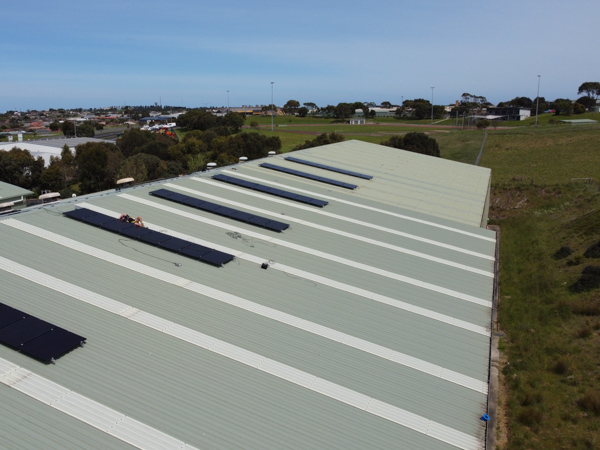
{"x":211,"y":165}
{"x":272,"y":153}
{"x":243,"y":158}
{"x":49,"y":197}
{"x":6,"y":207}
{"x":124,"y":182}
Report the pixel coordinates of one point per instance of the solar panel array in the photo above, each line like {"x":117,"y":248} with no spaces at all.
{"x":331,"y":168}
{"x":309,"y":176}
{"x":156,"y":238}
{"x":270,"y":190}
{"x":35,"y":337}
{"x":221,"y":210}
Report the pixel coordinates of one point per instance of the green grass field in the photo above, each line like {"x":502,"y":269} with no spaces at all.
{"x":552,"y":343}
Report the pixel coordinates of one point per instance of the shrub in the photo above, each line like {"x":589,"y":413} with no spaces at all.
{"x":561,"y":367}
{"x":529,"y":416}
{"x":415,"y":142}
{"x":563,"y":252}
{"x":590,"y":402}
{"x":590,"y":279}
{"x":593,"y":251}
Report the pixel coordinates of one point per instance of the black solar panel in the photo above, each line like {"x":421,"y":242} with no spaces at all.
{"x":9,"y":315}
{"x":150,"y":236}
{"x":55,"y":343}
{"x":225,"y":211}
{"x":309,"y":176}
{"x":174,"y":244}
{"x":35,"y":337}
{"x":270,"y":190}
{"x":217,"y":258}
{"x":331,"y":168}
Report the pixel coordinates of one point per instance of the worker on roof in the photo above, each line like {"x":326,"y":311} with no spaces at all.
{"x":138,"y":222}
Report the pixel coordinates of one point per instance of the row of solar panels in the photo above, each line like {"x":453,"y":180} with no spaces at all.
{"x":310,"y":176}
{"x":270,"y":190}
{"x":162,"y":240}
{"x":331,"y":168}
{"x":35,"y":337}
{"x":221,"y":210}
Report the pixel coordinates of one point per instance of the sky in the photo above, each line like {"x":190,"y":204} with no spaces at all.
{"x":86,"y":54}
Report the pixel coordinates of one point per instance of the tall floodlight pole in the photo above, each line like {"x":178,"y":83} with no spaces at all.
{"x":272,"y":83}
{"x":227,"y":102}
{"x":537,"y":102}
{"x":432,"y":88}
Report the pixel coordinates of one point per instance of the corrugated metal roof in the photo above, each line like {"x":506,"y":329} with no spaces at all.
{"x":368,"y":329}
{"x":10,"y":192}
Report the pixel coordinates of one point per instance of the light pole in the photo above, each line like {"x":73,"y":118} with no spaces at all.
{"x":537,"y":102}
{"x":272,"y":83}
{"x":228,"y":102}
{"x":432,"y":88}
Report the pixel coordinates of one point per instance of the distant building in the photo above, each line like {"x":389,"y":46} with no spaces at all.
{"x":508,"y":112}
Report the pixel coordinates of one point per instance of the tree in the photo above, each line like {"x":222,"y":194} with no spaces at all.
{"x":86,"y":129}
{"x":578,"y":108}
{"x":302,"y":111}
{"x":68,"y":128}
{"x":54,"y":126}
{"x":344,"y":111}
{"x":363,"y":107}
{"x":521,"y":102}
{"x":312,"y":107}
{"x":386,"y":105}
{"x":415,"y":142}
{"x":97,"y":165}
{"x":254,"y":125}
{"x":234,"y":121}
{"x":590,"y":89}
{"x":20,"y":168}
{"x":419,"y":109}
{"x":563,"y":106}
{"x":586,"y":101}
{"x":322,"y":139}
{"x":133,"y":139}
{"x":291,"y":107}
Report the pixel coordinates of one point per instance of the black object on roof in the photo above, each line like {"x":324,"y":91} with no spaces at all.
{"x":270,"y":190}
{"x":221,"y":210}
{"x":331,"y":168}
{"x":156,"y":238}
{"x":35,"y":337}
{"x":310,"y":176}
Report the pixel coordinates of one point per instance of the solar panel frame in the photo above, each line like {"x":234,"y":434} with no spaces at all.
{"x":309,"y":176}
{"x":10,"y":315}
{"x":52,"y":345}
{"x":270,"y":190}
{"x":225,"y":211}
{"x":217,"y":258}
{"x":157,"y":238}
{"x":80,"y":213}
{"x":174,"y":244}
{"x":24,"y":330}
{"x":195,"y":251}
{"x":154,"y":238}
{"x":330,"y":168}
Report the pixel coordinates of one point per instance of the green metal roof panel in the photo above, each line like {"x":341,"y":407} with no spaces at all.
{"x":365,"y":330}
{"x":10,"y":192}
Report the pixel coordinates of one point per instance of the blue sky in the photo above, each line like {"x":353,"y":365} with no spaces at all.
{"x":70,"y":54}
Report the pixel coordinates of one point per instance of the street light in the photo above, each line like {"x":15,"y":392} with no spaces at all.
{"x":432,"y":88}
{"x":272,"y":83}
{"x":537,"y":102}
